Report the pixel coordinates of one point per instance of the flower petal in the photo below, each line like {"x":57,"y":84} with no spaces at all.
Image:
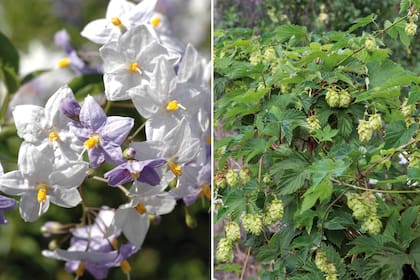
{"x":91,"y":114}
{"x":116,"y":129}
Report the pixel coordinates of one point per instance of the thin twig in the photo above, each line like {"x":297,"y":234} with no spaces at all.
{"x":373,"y":190}
{"x":245,"y":263}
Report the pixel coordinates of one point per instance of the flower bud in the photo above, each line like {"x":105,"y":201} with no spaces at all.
{"x":345,"y":99}
{"x":372,"y":225}
{"x":370,"y":43}
{"x":70,"y":108}
{"x":252,"y":223}
{"x":233,"y":232}
{"x":224,"y":252}
{"x":375,"y":121}
{"x":267,"y":178}
{"x":244,"y":175}
{"x":129,"y":153}
{"x":274,"y":212}
{"x":314,"y":123}
{"x":410,"y":28}
{"x":332,"y":98}
{"x":364,"y":130}
{"x":232,"y":178}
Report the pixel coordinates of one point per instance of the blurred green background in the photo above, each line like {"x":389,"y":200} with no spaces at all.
{"x":172,"y":250}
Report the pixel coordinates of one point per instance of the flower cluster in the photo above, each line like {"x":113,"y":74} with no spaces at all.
{"x":364,"y":209}
{"x":66,"y":141}
{"x":338,"y":98}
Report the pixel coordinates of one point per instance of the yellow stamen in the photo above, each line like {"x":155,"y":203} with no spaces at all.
{"x":205,"y":191}
{"x":116,"y":21}
{"x":135,"y":175}
{"x":175,"y":168}
{"x":64,"y":62}
{"x":155,"y":21}
{"x":42,"y":192}
{"x":92,"y":142}
{"x":209,"y":140}
{"x":134,"y":67}
{"x":174,"y":105}
{"x":114,"y":243}
{"x":140,"y":208}
{"x":80,"y":269}
{"x":125,"y":266}
{"x":53,"y":136}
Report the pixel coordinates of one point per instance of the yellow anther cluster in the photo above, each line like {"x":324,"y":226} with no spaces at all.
{"x":116,"y":21}
{"x":64,"y":62}
{"x":125,"y":266}
{"x":80,"y":269}
{"x":135,"y":175}
{"x":53,"y":136}
{"x":155,"y":21}
{"x":173,"y":105}
{"x":42,"y":195}
{"x":134,"y":67}
{"x":175,"y":168}
{"x":140,"y":208}
{"x":205,"y":191}
{"x":92,"y":142}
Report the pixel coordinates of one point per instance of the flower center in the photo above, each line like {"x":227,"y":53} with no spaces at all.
{"x":42,"y":192}
{"x":53,"y":136}
{"x":175,"y":168}
{"x":155,"y":21}
{"x":116,"y":21}
{"x":135,"y":67}
{"x":174,"y":105}
{"x":140,"y":208}
{"x":80,"y":269}
{"x":135,"y":175}
{"x":64,"y":62}
{"x":125,"y":266}
{"x":92,"y":142}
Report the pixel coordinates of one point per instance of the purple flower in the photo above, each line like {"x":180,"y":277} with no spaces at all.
{"x":6,"y":204}
{"x":102,"y":135}
{"x":142,"y":171}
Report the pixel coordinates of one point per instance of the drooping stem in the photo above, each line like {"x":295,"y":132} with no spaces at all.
{"x":245,"y":263}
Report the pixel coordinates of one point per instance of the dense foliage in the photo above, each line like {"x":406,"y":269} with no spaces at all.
{"x":317,"y":151}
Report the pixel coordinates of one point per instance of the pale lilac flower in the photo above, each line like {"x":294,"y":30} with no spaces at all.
{"x":102,"y":135}
{"x":70,"y":108}
{"x":142,"y":171}
{"x":129,"y":61}
{"x":121,"y":15}
{"x":133,"y":218}
{"x":46,"y":129}
{"x":45,"y":183}
{"x":6,"y":204}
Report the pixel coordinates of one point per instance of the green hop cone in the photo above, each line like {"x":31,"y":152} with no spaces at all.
{"x":407,"y":110}
{"x":314,"y":123}
{"x":270,"y":55}
{"x":232,"y":178}
{"x":266,"y":178}
{"x":332,"y":98}
{"x":345,"y":99}
{"x":224,"y":252}
{"x":331,"y":272}
{"x":252,"y":223}
{"x":274,"y":212}
{"x":375,"y":121}
{"x":372,"y":225}
{"x":321,"y":261}
{"x":360,"y":210}
{"x":370,"y":43}
{"x":410,"y":28}
{"x":233,"y":232}
{"x":244,"y":175}
{"x":364,"y":130}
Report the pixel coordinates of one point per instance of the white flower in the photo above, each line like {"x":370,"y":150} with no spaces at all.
{"x":46,"y":128}
{"x":133,"y":218}
{"x":44,"y":184}
{"x":129,"y":61}
{"x":121,"y":16}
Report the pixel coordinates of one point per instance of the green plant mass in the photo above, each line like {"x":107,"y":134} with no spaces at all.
{"x":317,"y":150}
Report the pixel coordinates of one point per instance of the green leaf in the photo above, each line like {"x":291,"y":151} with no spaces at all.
{"x":362,"y":22}
{"x":232,"y":268}
{"x":240,"y":69}
{"x":10,"y":78}
{"x":286,"y":32}
{"x":253,"y":148}
{"x":80,"y":82}
{"x":397,"y":134}
{"x":321,"y":191}
{"x":345,"y":125}
{"x":389,"y":74}
{"x":233,"y":205}
{"x":322,"y":168}
{"x":339,"y":220}
{"x":404,"y":5}
{"x":325,"y":134}
{"x":33,"y":75}
{"x":9,"y":56}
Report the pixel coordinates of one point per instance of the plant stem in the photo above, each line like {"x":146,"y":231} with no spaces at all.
{"x":245,"y":263}
{"x":373,"y":190}
{"x":131,"y":137}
